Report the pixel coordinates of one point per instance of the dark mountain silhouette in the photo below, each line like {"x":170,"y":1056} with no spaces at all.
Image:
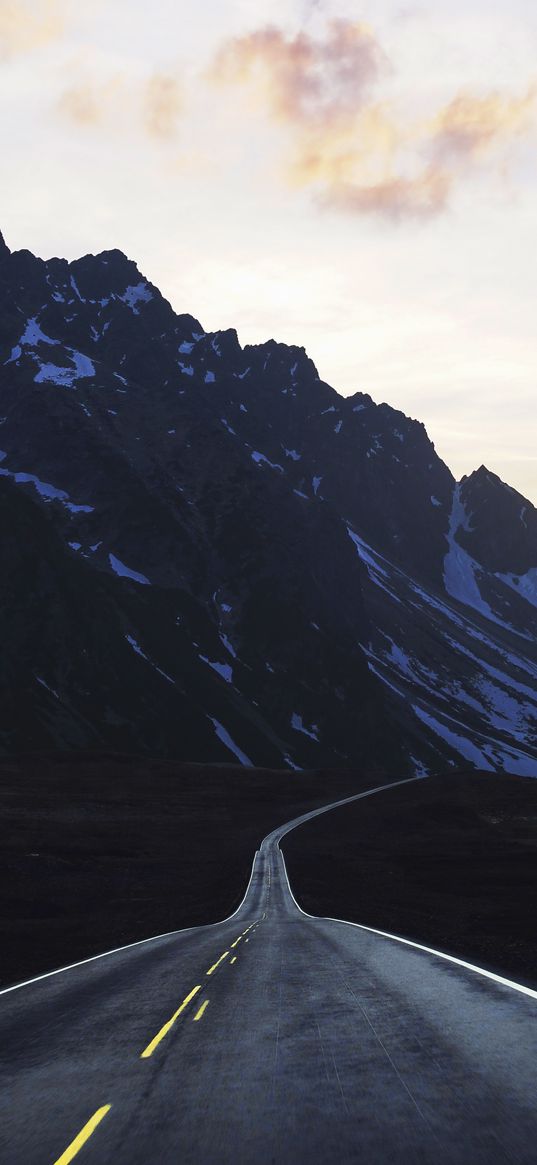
{"x":208,"y":553}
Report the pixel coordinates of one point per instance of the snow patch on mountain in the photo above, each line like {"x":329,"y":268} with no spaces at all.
{"x":476,"y":692}
{"x":44,"y":488}
{"x":224,"y":638}
{"x":461,"y":571}
{"x":65,"y":377}
{"x":480,"y":751}
{"x":15,"y":355}
{"x":298,"y":724}
{"x":223,"y":735}
{"x":260,"y":459}
{"x":123,"y":571}
{"x":34,"y":335}
{"x":44,"y":684}
{"x":75,"y":288}
{"x":457,"y":740}
{"x":135,"y":294}
{"x":459,"y":568}
{"x":136,"y":648}
{"x":223,"y":669}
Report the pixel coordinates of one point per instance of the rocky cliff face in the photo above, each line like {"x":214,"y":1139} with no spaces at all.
{"x":210,"y":554}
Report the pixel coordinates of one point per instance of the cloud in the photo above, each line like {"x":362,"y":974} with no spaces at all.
{"x":421,"y":197}
{"x":305,"y":80}
{"x":469,"y":126}
{"x":352,"y":150}
{"x":162,"y":105}
{"x":153,"y":104}
{"x":84,"y":104}
{"x":27,"y":24}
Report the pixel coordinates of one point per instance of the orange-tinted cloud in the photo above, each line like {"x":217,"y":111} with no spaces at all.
{"x":162,"y":105}
{"x":363,"y":147}
{"x":421,"y":197}
{"x":349,"y":148}
{"x":470,"y":126}
{"x":154,"y":105}
{"x":26,"y":24}
{"x":305,"y":80}
{"x":83,"y":103}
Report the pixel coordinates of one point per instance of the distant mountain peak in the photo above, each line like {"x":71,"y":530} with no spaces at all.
{"x":502,"y":523}
{"x":4,"y":249}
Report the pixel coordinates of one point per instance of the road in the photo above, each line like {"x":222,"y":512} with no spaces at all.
{"x":271,"y":1038}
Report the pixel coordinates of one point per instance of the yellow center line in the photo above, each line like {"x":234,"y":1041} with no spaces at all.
{"x":84,"y":1135}
{"x":237,"y":940}
{"x":164,"y":1030}
{"x":233,"y":960}
{"x":218,"y":961}
{"x":199,"y":1013}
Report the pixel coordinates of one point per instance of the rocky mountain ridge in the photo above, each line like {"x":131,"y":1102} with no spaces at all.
{"x":211,"y":554}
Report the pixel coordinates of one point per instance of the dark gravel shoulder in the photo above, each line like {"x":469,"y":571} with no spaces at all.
{"x":449,"y":861}
{"x":102,"y":850}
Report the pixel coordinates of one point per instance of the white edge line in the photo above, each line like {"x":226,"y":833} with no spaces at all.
{"x":417,"y":946}
{"x":170,"y":933}
{"x":282,"y":830}
{"x":129,"y":946}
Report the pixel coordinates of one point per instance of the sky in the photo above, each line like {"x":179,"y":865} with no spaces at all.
{"x":356,"y":178}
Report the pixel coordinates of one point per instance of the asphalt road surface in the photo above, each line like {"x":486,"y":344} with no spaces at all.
{"x":271,"y":1037}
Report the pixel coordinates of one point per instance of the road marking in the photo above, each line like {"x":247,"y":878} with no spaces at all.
{"x":129,"y":946}
{"x":172,"y":933}
{"x":83,"y":1136}
{"x":164,"y":1030}
{"x":199,"y":1013}
{"x":233,"y":960}
{"x":237,"y":940}
{"x":218,"y":961}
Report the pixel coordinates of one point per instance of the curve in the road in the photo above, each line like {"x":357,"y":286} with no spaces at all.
{"x":272,"y":1038}
{"x":169,"y":933}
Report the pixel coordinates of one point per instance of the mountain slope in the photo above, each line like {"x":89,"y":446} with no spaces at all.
{"x":210,"y":554}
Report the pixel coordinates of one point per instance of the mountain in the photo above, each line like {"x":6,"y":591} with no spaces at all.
{"x":209,"y":554}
